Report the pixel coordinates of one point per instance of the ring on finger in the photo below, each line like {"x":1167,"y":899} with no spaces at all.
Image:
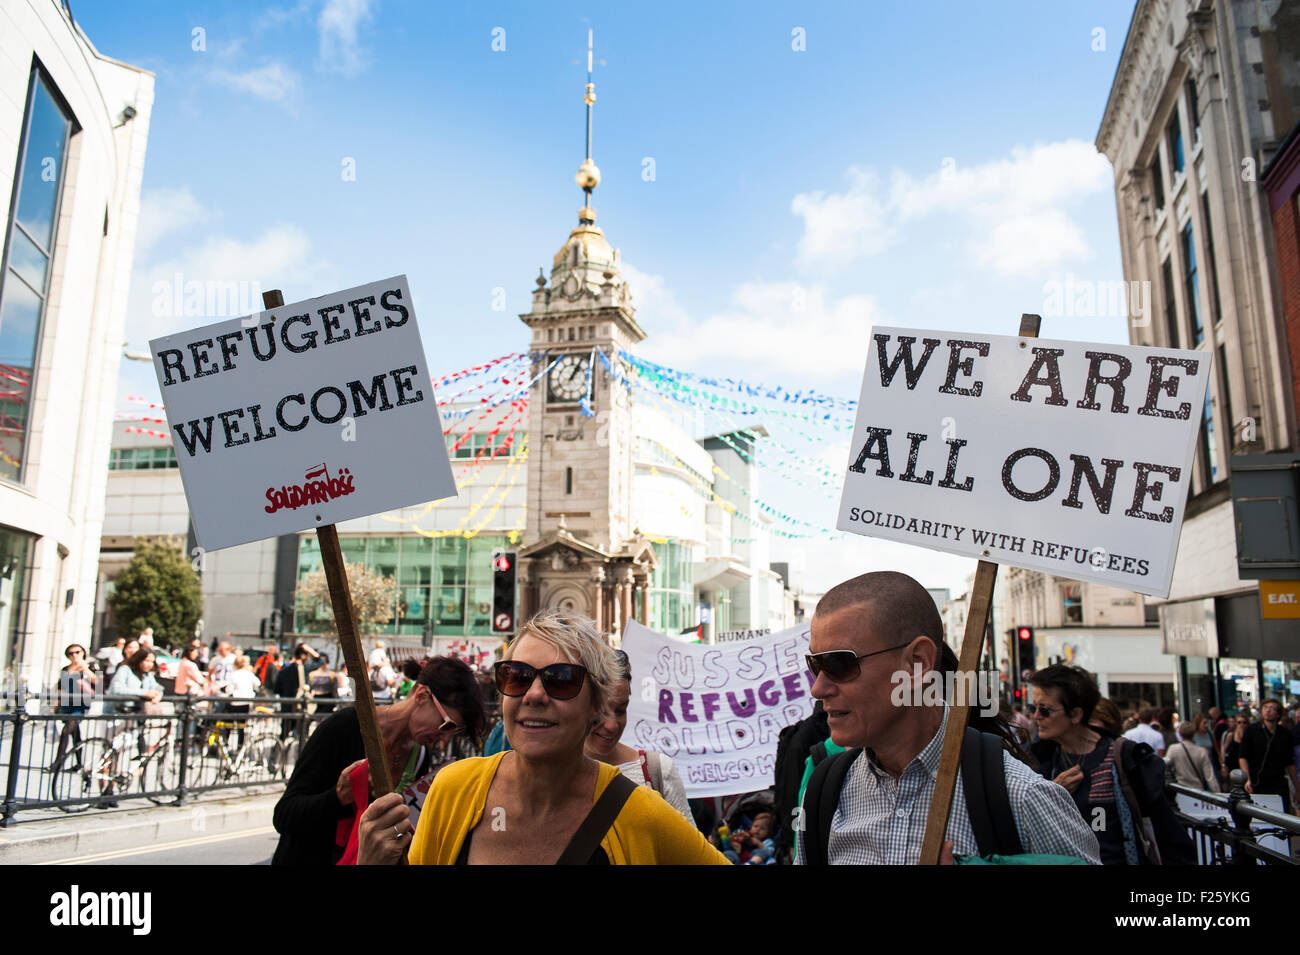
{"x":400,"y":833}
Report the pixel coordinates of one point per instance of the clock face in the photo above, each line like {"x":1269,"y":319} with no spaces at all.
{"x":568,"y":380}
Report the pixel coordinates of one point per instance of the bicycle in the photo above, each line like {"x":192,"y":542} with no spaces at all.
{"x":259,"y":751}
{"x":99,"y":768}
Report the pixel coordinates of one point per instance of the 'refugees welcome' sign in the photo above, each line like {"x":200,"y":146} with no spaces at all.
{"x":1069,"y":458}
{"x":303,"y":415}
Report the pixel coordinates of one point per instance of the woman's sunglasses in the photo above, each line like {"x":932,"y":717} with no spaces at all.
{"x":448,"y":725}
{"x":841,"y":666}
{"x":561,"y":681}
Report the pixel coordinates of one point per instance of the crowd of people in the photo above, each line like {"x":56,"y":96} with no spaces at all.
{"x":1067,"y":782}
{"x":1071,"y":779}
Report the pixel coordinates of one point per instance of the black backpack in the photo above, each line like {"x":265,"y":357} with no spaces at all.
{"x":792,"y":748}
{"x":983,"y":781}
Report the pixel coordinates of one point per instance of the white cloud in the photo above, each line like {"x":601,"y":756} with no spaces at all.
{"x":1015,"y":208}
{"x":778,"y":327}
{"x":163,"y":211}
{"x":846,"y":226}
{"x":273,"y":82}
{"x":338,"y":25}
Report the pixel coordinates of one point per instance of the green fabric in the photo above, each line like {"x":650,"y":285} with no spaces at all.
{"x":408,"y":775}
{"x":831,"y":750}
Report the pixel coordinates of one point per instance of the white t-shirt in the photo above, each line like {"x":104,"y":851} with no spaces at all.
{"x":243,"y":684}
{"x":1143,"y":733}
{"x":674,"y":791}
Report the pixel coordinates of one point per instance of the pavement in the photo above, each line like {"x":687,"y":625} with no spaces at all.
{"x":100,"y":832}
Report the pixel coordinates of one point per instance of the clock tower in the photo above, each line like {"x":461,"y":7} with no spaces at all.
{"x":580,"y":551}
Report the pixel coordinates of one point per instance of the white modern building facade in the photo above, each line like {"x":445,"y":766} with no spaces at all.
{"x":73,"y":129}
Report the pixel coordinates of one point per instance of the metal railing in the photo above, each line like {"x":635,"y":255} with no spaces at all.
{"x":179,"y":747}
{"x":193,"y":744}
{"x":1233,"y":837}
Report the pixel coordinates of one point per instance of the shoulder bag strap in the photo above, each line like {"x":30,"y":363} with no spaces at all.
{"x":587,"y":839}
{"x":1187,"y":757}
{"x":1141,"y":825}
{"x":645,"y":767}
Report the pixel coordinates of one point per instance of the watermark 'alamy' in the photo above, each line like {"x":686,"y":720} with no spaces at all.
{"x":176,"y":298}
{"x":74,"y":907}
{"x":932,"y":688}
{"x":1084,"y":298}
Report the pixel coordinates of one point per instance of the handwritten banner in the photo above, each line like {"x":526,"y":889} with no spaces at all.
{"x":717,"y":710}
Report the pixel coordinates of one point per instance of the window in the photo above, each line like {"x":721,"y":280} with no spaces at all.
{"x":1209,"y":258}
{"x":29,"y":247}
{"x":1209,"y":445}
{"x":672,"y":589}
{"x":430,"y":576}
{"x":141,"y":459}
{"x":1175,"y":143}
{"x":1193,"y":105}
{"x":1158,"y":182}
{"x":1072,"y":604}
{"x":568,"y":480}
{"x":1228,"y":419}
{"x":1192,"y":288}
{"x":1171,"y":308}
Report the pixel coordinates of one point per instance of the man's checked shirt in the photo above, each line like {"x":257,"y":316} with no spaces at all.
{"x":881,"y":821}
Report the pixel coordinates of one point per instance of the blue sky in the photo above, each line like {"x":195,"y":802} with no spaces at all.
{"x":920,"y":164}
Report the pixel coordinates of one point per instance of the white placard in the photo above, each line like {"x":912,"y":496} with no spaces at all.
{"x":304,"y":415}
{"x":1064,"y":457}
{"x":716,"y":710}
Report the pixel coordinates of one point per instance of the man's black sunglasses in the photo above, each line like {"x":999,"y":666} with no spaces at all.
{"x":841,"y":666}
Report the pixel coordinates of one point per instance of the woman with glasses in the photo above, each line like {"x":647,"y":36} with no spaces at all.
{"x":1117,"y":784}
{"x":545,"y":801}
{"x":316,"y":815}
{"x":643,"y":767}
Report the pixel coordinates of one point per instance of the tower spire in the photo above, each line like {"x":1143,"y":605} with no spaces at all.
{"x":588,"y":174}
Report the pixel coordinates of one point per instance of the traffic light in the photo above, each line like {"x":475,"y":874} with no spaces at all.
{"x":1025,"y":648}
{"x":503,"y":591}
{"x":275,"y":625}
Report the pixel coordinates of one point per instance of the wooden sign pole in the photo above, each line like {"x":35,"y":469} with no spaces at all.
{"x":341,"y":602}
{"x":972,"y":642}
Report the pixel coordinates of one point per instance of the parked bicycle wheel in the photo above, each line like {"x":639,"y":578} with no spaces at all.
{"x":89,"y":771}
{"x":206,"y":766}
{"x":263,"y":757}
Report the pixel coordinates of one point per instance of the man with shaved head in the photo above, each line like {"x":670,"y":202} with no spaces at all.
{"x":867,"y":633}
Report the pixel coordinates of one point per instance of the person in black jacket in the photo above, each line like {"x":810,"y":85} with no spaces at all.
{"x":1118,"y":784}
{"x":318,"y":796}
{"x":293,"y":680}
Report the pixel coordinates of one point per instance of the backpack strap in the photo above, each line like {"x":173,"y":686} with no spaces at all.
{"x":819,"y":803}
{"x":589,"y":835}
{"x":999,"y":802}
{"x":818,"y":752}
{"x":988,"y":806}
{"x":973,"y":784}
